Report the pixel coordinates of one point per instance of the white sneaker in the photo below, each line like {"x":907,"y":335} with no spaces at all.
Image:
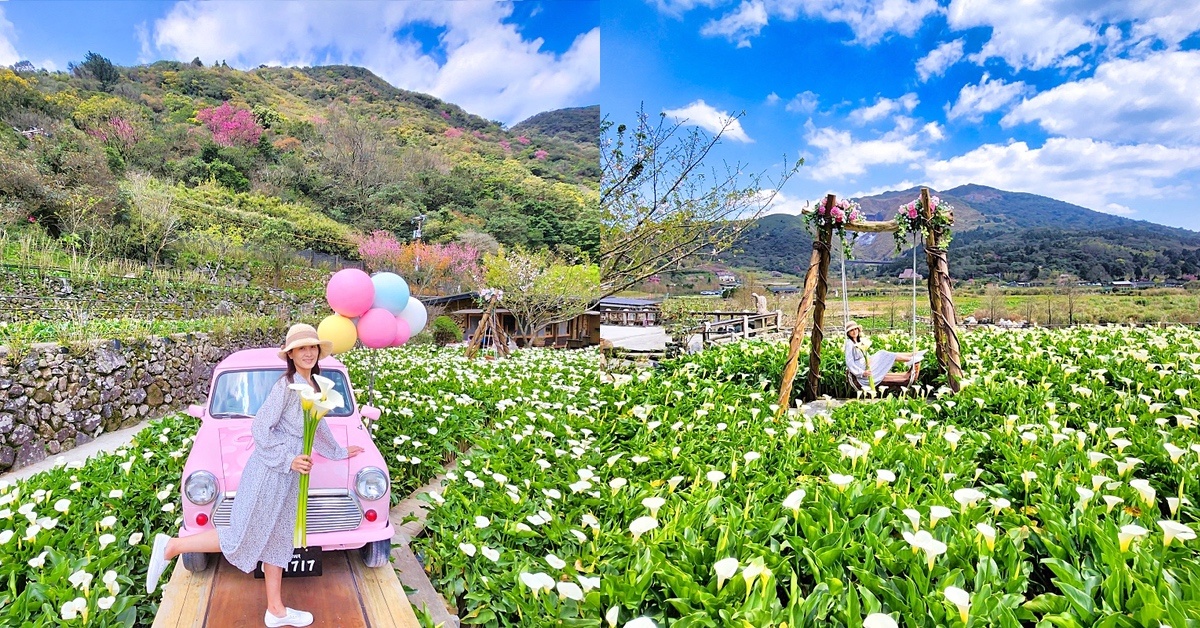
{"x":293,"y":617}
{"x":158,"y":562}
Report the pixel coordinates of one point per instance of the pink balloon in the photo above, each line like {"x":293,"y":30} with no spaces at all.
{"x":377,"y":328}
{"x":350,"y":292}
{"x":402,"y":332}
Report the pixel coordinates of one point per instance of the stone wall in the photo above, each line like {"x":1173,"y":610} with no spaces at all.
{"x":51,"y":400}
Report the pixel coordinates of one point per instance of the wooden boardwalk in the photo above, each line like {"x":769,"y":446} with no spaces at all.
{"x":348,"y":594}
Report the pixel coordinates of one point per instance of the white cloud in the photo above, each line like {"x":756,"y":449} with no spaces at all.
{"x":1086,"y":172}
{"x":1048,"y":33}
{"x":773,"y":98}
{"x":679,"y":7}
{"x":938,"y":59}
{"x":893,"y":187}
{"x":871,"y":20}
{"x":986,"y":97}
{"x":1119,"y":209}
{"x":784,"y":204}
{"x":883,"y":108}
{"x":701,"y":114}
{"x":934,"y":131}
{"x":804,"y":102}
{"x":740,"y":24}
{"x":844,"y":157}
{"x":8,"y":35}
{"x":1150,"y":100}
{"x":488,"y":68}
{"x":141,"y":32}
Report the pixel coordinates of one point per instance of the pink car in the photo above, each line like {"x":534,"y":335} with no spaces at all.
{"x":348,"y":499}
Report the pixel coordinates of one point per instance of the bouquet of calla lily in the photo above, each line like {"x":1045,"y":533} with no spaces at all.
{"x":315,"y":403}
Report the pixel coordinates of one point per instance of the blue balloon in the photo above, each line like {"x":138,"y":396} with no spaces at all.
{"x":391,"y":292}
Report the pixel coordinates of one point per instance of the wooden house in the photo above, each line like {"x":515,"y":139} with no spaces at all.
{"x":464,"y":308}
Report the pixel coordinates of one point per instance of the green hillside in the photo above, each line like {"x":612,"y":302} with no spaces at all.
{"x":102,"y":156}
{"x":1010,"y":236}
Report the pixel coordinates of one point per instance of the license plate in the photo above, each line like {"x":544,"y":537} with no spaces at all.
{"x":306,"y":561}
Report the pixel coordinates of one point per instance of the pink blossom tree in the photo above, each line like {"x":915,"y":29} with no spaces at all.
{"x":522,"y":140}
{"x":231,"y":126}
{"x":378,"y":250}
{"x":540,"y":155}
{"x":453,"y":132}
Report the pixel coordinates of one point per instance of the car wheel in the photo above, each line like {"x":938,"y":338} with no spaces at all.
{"x":376,"y":553}
{"x":195,"y":561}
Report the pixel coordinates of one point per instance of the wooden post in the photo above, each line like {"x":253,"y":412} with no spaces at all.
{"x":932,"y":282}
{"x":941,"y":297}
{"x":818,"y":330}
{"x":802,"y":311}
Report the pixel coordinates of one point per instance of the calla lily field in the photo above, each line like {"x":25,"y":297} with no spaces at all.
{"x":1057,"y":488}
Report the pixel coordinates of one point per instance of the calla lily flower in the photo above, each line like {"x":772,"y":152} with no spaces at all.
{"x":1174,"y":452}
{"x":642,"y":525}
{"x":884,"y":476}
{"x":537,"y":581}
{"x":968,"y":497}
{"x":1128,"y":533}
{"x":1145,"y":490}
{"x":1110,"y":501}
{"x":879,"y":620}
{"x":725,"y":569}
{"x":1085,"y":496}
{"x":961,"y":599}
{"x":988,"y":533}
{"x":937,"y":513}
{"x":1174,"y":530}
{"x":840,"y":481}
{"x":653,"y":504}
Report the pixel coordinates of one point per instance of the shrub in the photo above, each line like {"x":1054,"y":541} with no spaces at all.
{"x":446,"y":331}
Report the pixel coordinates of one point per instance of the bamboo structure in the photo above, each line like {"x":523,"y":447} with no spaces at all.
{"x":488,"y":329}
{"x":816,"y":285}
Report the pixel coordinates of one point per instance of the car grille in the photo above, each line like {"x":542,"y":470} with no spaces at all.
{"x":329,"y":510}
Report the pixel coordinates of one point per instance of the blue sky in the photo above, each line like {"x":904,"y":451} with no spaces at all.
{"x":1095,"y":103}
{"x":502,"y":60}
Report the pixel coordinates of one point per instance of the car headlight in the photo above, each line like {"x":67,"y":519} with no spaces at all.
{"x":371,"y":484}
{"x":200,"y":488}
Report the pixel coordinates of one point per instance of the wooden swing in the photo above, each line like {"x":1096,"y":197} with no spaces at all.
{"x":816,"y":286}
{"x":891,"y":382}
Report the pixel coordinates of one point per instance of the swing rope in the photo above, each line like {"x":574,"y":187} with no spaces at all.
{"x":846,"y":295}
{"x":914,"y":294}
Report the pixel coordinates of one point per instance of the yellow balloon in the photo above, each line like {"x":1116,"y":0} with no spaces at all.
{"x":339,"y":330}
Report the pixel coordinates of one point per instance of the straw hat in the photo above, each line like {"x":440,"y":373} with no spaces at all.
{"x":302,"y":335}
{"x":851,"y":326}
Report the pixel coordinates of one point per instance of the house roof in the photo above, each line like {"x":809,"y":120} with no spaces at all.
{"x":448,"y":298}
{"x":626,"y":302}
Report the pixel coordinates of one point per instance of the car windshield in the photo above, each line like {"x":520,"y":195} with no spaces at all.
{"x":239,"y":394}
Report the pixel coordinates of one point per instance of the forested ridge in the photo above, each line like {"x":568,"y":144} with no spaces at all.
{"x":1004,"y":235}
{"x":105,"y":157}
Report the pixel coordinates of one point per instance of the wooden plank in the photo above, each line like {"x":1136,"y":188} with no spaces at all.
{"x":239,"y":599}
{"x":382,"y":595}
{"x":185,"y":598}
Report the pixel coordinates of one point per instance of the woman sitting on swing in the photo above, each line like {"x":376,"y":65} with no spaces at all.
{"x":875,"y":371}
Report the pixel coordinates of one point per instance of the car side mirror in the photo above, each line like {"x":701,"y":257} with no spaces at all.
{"x":370,"y":413}
{"x":196,"y":411}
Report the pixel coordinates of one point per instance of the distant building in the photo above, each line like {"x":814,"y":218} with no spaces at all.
{"x":581,"y":331}
{"x":726,"y":279}
{"x":908,"y":274}
{"x":783,"y":289}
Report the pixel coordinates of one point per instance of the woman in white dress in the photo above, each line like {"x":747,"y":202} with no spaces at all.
{"x":871,"y":369}
{"x":264,"y":514}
